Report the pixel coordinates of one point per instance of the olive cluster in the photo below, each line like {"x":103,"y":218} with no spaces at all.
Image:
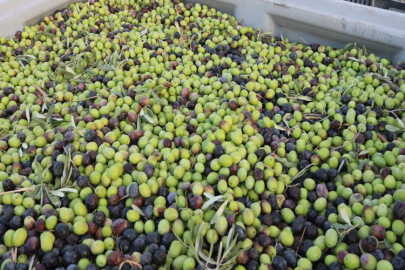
{"x":155,"y":134}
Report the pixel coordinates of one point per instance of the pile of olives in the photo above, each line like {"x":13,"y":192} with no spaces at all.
{"x":153,"y":134}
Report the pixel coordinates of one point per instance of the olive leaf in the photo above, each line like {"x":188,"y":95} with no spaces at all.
{"x":305,"y":98}
{"x":302,"y":172}
{"x":364,"y":152}
{"x":340,"y":227}
{"x":110,"y":18}
{"x":285,"y":118}
{"x":39,"y":116}
{"x":57,"y":193}
{"x":286,"y":163}
{"x":31,"y":262}
{"x":212,"y":201}
{"x":360,"y":246}
{"x":341,"y":165}
{"x":146,"y":116}
{"x":72,"y":120}
{"x":159,"y":89}
{"x":349,"y":46}
{"x":401,"y":123}
{"x":208,"y":195}
{"x":138,"y":124}
{"x":392,"y":128}
{"x":117,"y":93}
{"x":68,"y":190}
{"x":280,"y":127}
{"x":27,"y":112}
{"x":54,"y":200}
{"x":230,"y":236}
{"x":33,"y":192}
{"x":198,"y":241}
{"x":389,"y":245}
{"x":137,"y":209}
{"x":362,"y":163}
{"x":219,"y":212}
{"x":344,"y":215}
{"x":70,"y":70}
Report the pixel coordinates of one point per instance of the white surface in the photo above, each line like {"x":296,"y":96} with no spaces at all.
{"x":328,"y":22}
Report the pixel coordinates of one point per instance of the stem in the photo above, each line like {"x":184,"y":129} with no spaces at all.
{"x":350,"y":141}
{"x":302,"y":236}
{"x":17,"y":190}
{"x":381,"y":137}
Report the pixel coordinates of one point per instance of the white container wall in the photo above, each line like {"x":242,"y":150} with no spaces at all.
{"x":327,"y":22}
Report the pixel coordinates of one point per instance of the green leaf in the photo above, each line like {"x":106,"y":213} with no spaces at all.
{"x":137,"y":209}
{"x":198,"y":241}
{"x":219,"y":252}
{"x":280,"y":127}
{"x":219,"y":212}
{"x":146,"y":116}
{"x":361,"y":249}
{"x":306,"y":98}
{"x":139,"y":124}
{"x":344,"y":215}
{"x":230,"y":235}
{"x":401,"y":123}
{"x":302,"y":172}
{"x":387,"y":244}
{"x":40,"y":121}
{"x":392,"y":128}
{"x":349,"y":46}
{"x":208,"y":195}
{"x":341,"y":165}
{"x":364,"y":152}
{"x":191,"y":227}
{"x":338,"y":64}
{"x":51,"y":110}
{"x":39,"y":116}
{"x":117,"y":93}
{"x":354,"y":59}
{"x":362,"y":163}
{"x":211,"y":250}
{"x":157,"y":99}
{"x":285,"y":162}
{"x":110,"y":18}
{"x":212,"y":201}
{"x":72,"y":120}
{"x":57,"y":193}
{"x":27,"y":112}
{"x":159,"y":88}
{"x":32,"y":193}
{"x":205,"y":258}
{"x":68,"y":190}
{"x":54,"y":200}
{"x":340,"y":227}
{"x":70,"y":70}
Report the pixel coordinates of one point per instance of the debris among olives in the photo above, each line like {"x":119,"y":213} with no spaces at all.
{"x":155,"y":134}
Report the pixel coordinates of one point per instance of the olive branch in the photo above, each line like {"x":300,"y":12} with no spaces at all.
{"x":54,"y":193}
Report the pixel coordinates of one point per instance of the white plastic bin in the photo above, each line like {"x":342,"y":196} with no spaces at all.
{"x":327,"y":22}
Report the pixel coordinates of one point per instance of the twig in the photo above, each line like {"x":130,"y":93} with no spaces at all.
{"x":132,"y":263}
{"x":381,"y":137}
{"x":89,"y":98}
{"x":396,"y":110}
{"x":17,"y":190}
{"x":302,"y":236}
{"x":296,"y":35}
{"x":392,"y":85}
{"x":358,"y":133}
